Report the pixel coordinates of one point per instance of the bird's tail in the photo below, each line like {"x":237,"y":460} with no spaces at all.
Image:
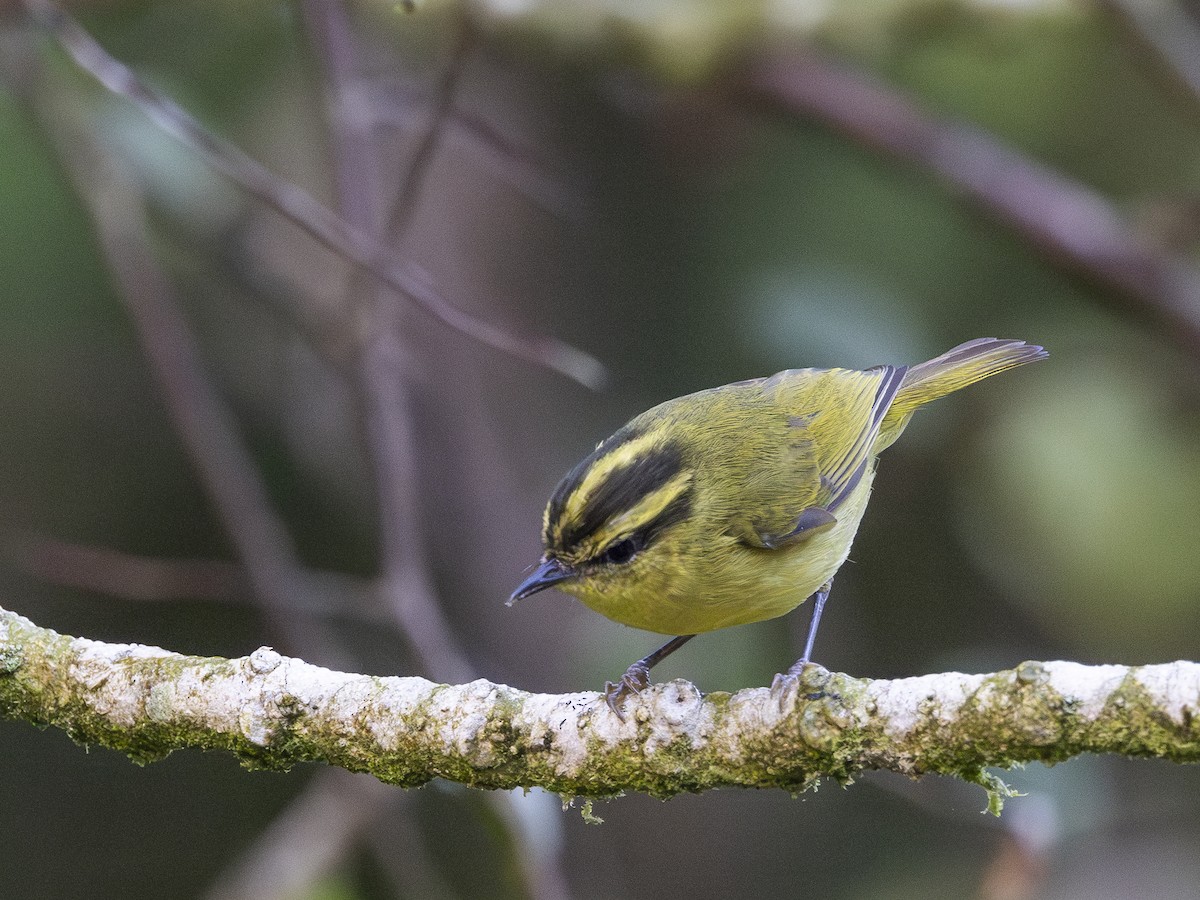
{"x":954,"y":369}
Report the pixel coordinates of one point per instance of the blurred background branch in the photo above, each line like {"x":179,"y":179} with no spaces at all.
{"x":205,"y":424}
{"x":238,"y":494}
{"x":352,"y":243}
{"x":1071,"y":224}
{"x":1171,"y":34}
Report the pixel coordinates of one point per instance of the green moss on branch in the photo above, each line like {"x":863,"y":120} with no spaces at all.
{"x":272,"y":712}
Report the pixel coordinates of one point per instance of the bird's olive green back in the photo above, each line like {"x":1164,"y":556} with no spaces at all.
{"x":748,"y":457}
{"x":734,"y":504}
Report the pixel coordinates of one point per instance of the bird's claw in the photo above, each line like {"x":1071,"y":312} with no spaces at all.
{"x":785,"y":687}
{"x":635,"y":680}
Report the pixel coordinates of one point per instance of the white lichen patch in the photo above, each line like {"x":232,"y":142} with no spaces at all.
{"x":676,"y":710}
{"x":255,"y":727}
{"x":311,"y":686}
{"x":391,"y":704}
{"x":160,"y":705}
{"x":608,"y":728}
{"x":905,"y":703}
{"x":751,"y":712}
{"x":561,"y":718}
{"x":264,"y":660}
{"x":112,"y":686}
{"x":202,"y":693}
{"x":1086,"y":689}
{"x":1173,"y":687}
{"x":464,"y":711}
{"x":86,"y":651}
{"x":678,"y":704}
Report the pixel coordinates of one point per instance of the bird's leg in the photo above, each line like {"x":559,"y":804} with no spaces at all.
{"x":819,"y":599}
{"x":788,"y":682}
{"x":637,"y":677}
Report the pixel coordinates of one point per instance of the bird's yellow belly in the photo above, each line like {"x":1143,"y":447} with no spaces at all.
{"x":737,"y":584}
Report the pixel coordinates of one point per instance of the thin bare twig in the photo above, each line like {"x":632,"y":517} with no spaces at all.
{"x":405,"y":584}
{"x":356,"y":171}
{"x":383,"y":382}
{"x":379,"y":374}
{"x":392,"y":107}
{"x":1064,"y":219}
{"x":351,"y":242}
{"x":205,"y":424}
{"x":410,"y":189}
{"x":130,"y":576}
{"x":333,"y":815}
{"x":102,"y":570}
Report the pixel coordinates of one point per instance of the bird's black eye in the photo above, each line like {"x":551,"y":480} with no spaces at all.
{"x":621,"y":552}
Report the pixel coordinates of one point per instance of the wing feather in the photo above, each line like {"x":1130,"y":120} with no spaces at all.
{"x":843,"y":476}
{"x":835,"y":418}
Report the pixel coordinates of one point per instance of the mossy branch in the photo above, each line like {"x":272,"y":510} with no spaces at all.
{"x":272,"y":711}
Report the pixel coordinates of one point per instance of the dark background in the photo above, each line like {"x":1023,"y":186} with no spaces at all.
{"x":606,"y":178}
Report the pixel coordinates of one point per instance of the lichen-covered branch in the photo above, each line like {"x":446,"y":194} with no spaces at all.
{"x":272,"y":711}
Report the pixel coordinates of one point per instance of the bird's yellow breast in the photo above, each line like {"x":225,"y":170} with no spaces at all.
{"x":721,"y":581}
{"x":735,"y":504}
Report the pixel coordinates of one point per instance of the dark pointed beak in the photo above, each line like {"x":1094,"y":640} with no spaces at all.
{"x":549,"y":573}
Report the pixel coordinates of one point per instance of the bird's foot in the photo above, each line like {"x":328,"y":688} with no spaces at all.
{"x":785,"y":687}
{"x":635,"y":680}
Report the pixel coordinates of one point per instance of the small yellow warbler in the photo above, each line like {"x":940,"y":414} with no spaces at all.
{"x":735,"y":504}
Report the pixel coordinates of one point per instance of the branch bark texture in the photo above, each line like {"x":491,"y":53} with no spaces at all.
{"x":273,"y":711}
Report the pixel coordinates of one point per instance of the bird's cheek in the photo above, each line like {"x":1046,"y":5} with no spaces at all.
{"x":599,"y":584}
{"x":645,"y":577}
{"x":586,"y":585}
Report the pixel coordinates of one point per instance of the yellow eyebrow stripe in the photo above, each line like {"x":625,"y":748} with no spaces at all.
{"x":622,"y":456}
{"x":645,"y":511}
